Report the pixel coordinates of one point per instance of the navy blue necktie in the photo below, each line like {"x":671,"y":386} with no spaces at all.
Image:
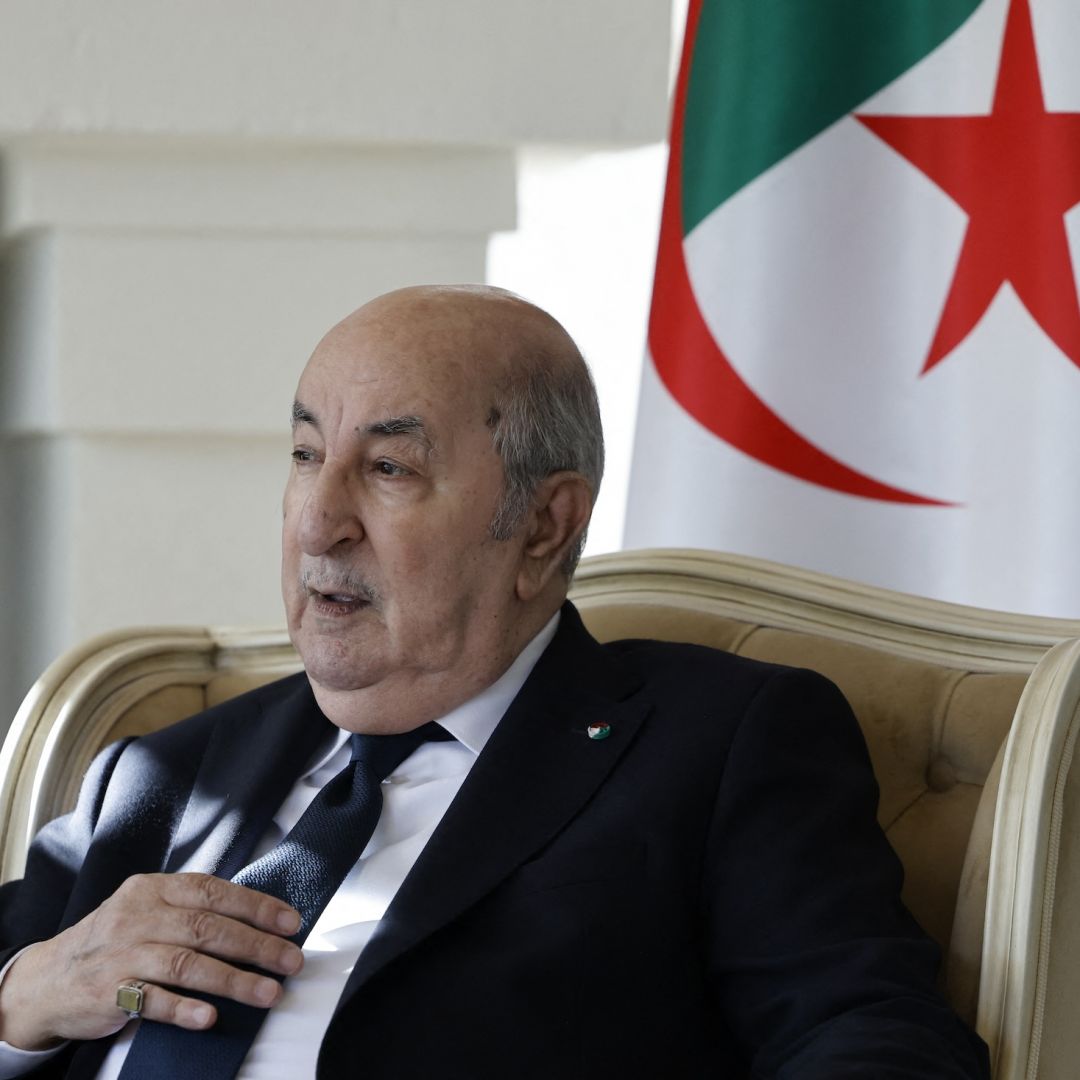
{"x":304,"y":870}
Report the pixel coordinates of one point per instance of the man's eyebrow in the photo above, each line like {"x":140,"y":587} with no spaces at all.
{"x":301,"y":414}
{"x":410,"y":426}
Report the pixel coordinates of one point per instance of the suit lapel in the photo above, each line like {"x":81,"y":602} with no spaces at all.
{"x":537,"y":771}
{"x":230,"y":808}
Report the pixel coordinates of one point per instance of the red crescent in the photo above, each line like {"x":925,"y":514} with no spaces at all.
{"x":697,"y":373}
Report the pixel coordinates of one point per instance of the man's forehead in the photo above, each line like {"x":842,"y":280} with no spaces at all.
{"x":434,"y":394}
{"x":432,"y":405}
{"x":382,"y":354}
{"x":367,"y":380}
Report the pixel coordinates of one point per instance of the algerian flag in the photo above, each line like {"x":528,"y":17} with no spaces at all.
{"x":865,"y":336}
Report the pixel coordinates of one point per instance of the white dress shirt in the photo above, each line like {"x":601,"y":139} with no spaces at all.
{"x":415,"y":797}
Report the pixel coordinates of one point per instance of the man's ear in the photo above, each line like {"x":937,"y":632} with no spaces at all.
{"x":561,"y":507}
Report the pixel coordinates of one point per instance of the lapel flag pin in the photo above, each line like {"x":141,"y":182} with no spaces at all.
{"x":600,"y":730}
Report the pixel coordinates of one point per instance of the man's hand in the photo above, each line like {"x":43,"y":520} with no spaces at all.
{"x":176,"y":932}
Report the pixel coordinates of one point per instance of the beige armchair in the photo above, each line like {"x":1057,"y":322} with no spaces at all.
{"x":971,"y":719}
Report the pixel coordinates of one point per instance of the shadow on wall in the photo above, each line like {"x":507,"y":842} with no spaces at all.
{"x":25,"y":486}
{"x":28,"y":485}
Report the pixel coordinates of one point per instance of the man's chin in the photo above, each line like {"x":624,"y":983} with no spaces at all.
{"x":336,"y":671}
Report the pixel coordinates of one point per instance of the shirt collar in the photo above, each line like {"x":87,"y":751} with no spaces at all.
{"x":473,"y":722}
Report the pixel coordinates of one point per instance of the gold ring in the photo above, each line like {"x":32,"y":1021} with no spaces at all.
{"x":129,"y":997}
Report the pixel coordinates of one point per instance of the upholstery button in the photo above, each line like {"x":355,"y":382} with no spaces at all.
{"x":941,"y":774}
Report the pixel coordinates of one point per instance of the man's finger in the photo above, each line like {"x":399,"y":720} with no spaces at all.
{"x":226,"y":898}
{"x":178,"y":969}
{"x":226,"y":938}
{"x":167,"y":1007}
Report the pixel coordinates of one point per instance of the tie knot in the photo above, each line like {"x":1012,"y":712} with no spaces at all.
{"x":382,"y":754}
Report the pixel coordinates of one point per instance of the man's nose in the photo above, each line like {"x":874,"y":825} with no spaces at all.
{"x":330,"y":514}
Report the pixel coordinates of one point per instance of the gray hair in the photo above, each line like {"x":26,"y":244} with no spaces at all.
{"x":545,"y":419}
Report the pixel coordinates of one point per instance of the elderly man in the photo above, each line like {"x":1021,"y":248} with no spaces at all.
{"x":625,"y":860}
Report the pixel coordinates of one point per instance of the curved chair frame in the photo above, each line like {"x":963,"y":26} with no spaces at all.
{"x":73,"y":708}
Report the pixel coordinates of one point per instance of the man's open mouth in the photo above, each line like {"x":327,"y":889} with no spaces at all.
{"x":337,"y":603}
{"x":334,"y":593}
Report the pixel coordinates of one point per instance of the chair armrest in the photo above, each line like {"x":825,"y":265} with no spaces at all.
{"x":1031,"y":942}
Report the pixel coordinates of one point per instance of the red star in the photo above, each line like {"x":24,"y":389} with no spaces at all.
{"x":1016,"y":172}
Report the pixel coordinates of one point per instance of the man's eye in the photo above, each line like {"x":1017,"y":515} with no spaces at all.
{"x":302,"y":454}
{"x":389,"y":468}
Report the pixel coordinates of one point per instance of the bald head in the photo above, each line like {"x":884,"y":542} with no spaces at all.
{"x":493,"y":330}
{"x":478,"y":307}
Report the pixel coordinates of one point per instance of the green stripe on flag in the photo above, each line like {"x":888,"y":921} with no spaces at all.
{"x":768,"y":75}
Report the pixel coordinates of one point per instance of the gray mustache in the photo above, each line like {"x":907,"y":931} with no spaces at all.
{"x":348,"y":582}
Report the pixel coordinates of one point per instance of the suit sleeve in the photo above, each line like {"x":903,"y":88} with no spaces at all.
{"x":820,"y":970}
{"x":32,"y":909}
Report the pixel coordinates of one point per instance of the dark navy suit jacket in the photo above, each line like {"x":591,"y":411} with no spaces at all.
{"x":703,"y":893}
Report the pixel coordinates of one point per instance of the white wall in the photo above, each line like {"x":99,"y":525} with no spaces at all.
{"x":584,"y":250}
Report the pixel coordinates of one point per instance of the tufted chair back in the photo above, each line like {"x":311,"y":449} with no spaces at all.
{"x":934,"y":732}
